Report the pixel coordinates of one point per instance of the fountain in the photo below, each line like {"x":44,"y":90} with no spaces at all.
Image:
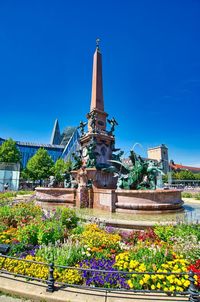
{"x":99,"y":179}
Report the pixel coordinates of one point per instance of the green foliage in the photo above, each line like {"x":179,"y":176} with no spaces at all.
{"x":19,"y":213}
{"x":165,"y":233}
{"x":78,"y":230}
{"x":24,"y":174}
{"x":159,"y":255}
{"x":68,"y":165}
{"x":50,"y":232}
{"x":197,"y":196}
{"x":28,"y":234}
{"x":68,"y":254}
{"x":7,"y":197}
{"x":68,"y":217}
{"x":12,"y":194}
{"x":40,"y":165}
{"x":60,"y":168}
{"x":44,"y":232}
{"x":186,"y":195}
{"x":9,"y":152}
{"x":190,"y":195}
{"x":26,"y":192}
{"x":165,"y":178}
{"x":197,"y":176}
{"x":184,"y":175}
{"x":17,"y":248}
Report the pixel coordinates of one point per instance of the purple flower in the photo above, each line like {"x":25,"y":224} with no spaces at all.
{"x":110,"y":229}
{"x":100,"y":279}
{"x":30,"y":250}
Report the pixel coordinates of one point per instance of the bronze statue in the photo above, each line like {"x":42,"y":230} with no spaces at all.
{"x":93,"y":117}
{"x":117,"y":156}
{"x":153,"y":170}
{"x":91,"y":154}
{"x":113,"y":123}
{"x":140,"y":176}
{"x":81,"y":127}
{"x":76,"y":165}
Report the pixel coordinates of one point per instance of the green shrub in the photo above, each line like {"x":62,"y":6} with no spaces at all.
{"x":165,"y":233}
{"x":28,"y":234}
{"x":197,"y":196}
{"x":20,"y":213}
{"x":67,"y":254}
{"x":186,"y":195}
{"x":25,"y":192}
{"x":67,"y":217}
{"x":50,"y":232}
{"x":78,"y":230}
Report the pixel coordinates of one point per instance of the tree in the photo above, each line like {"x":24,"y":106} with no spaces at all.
{"x":9,"y":152}
{"x":59,"y":169}
{"x":197,"y":176}
{"x":40,"y":166}
{"x":184,"y":175}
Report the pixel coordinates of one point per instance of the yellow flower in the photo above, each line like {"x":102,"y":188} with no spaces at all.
{"x":130,"y":283}
{"x":186,"y":283}
{"x":141,"y":282}
{"x":172,"y":288}
{"x":158,"y":285}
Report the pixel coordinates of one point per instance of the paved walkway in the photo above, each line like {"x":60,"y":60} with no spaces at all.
{"x":35,"y":291}
{"x":4,"y":298}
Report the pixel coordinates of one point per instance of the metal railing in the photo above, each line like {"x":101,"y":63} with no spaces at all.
{"x":192,"y":293}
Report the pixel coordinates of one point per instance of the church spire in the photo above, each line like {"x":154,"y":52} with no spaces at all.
{"x":97,"y":101}
{"x":55,"y":137}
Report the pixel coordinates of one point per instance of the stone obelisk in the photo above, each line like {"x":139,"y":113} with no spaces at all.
{"x":97,"y":133}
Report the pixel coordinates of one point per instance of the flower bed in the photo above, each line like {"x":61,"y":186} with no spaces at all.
{"x":60,"y":237}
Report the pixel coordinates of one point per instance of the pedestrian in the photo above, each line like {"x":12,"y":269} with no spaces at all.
{"x":6,"y":186}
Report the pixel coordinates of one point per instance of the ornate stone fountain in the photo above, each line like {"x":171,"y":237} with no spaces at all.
{"x":99,"y":179}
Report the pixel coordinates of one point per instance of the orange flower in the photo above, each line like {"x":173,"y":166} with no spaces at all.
{"x":113,"y":251}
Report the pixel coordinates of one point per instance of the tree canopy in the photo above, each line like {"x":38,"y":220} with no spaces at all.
{"x":60,"y":168}
{"x":9,"y":153}
{"x":185,"y":175}
{"x":40,"y":166}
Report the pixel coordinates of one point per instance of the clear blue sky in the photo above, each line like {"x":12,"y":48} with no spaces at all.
{"x":151,"y":69}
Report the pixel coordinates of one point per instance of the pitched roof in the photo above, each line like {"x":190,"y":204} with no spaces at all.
{"x":182,"y":167}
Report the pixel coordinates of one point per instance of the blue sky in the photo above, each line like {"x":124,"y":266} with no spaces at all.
{"x":151,"y":69}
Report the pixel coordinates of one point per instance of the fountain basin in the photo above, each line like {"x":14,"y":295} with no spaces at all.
{"x":56,"y":196}
{"x":156,"y":201}
{"x":125,"y":201}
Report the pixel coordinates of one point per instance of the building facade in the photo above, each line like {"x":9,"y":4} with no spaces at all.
{"x":61,"y":145}
{"x":160,"y":154}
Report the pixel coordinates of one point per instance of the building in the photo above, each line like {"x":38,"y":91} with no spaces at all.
{"x":160,"y":154}
{"x":61,"y":145}
{"x":178,"y":167}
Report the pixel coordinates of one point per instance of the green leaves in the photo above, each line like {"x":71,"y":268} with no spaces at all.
{"x":185,"y":175}
{"x":60,"y":168}
{"x":9,"y":152}
{"x":40,"y":165}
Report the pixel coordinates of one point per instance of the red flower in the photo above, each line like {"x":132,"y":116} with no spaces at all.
{"x":196,"y":269}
